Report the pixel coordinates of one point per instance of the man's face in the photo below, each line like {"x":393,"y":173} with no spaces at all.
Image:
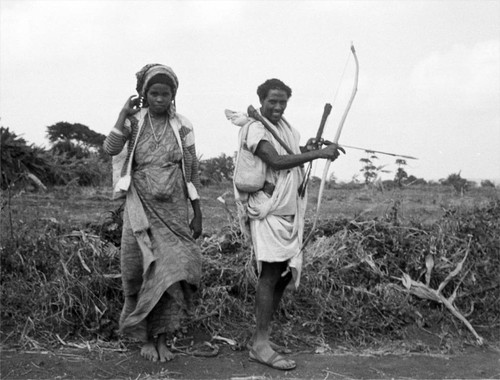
{"x":274,"y":105}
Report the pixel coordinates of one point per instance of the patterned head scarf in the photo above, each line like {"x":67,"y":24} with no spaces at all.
{"x":149,"y":71}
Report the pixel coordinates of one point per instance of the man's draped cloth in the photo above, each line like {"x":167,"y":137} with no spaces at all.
{"x":274,"y":223}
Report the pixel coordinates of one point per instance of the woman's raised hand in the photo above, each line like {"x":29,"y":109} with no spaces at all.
{"x":132,"y":105}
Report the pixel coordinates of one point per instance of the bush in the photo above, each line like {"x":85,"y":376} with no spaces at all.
{"x":19,"y":160}
{"x":62,"y":282}
{"x":351,"y":285}
{"x":487,"y":183}
{"x":216,"y":170}
{"x":459,"y":184}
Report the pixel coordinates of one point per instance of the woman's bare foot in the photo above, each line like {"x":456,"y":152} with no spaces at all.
{"x":164,"y":353}
{"x":149,"y":351}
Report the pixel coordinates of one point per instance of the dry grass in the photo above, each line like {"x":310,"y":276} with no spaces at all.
{"x":60,"y":267}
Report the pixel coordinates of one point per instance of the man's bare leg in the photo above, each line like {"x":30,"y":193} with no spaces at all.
{"x":265,"y":302}
{"x":278,"y":295}
{"x":275,"y":346}
{"x":163,"y":352}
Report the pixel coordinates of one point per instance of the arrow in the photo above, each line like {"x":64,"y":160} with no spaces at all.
{"x":373,"y":151}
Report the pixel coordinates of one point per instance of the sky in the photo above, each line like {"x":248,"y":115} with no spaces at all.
{"x":429,"y":72}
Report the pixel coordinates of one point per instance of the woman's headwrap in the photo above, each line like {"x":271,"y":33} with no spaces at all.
{"x":149,"y":71}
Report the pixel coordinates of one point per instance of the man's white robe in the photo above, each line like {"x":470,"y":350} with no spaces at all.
{"x":276,"y":223}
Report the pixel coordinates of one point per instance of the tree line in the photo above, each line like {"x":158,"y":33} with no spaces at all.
{"x":76,"y":157}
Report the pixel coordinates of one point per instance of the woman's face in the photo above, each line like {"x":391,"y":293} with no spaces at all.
{"x":159,"y":97}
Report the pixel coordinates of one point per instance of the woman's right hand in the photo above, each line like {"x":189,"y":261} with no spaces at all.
{"x":131,"y":106}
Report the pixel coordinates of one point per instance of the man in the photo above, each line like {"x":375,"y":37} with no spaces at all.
{"x":275,"y":214}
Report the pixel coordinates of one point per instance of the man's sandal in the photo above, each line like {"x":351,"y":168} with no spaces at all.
{"x":273,"y":361}
{"x":275,"y":347}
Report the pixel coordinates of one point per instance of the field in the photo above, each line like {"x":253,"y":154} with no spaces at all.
{"x":401,"y":273}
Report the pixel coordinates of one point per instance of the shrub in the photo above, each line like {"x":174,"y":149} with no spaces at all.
{"x":217,"y":169}
{"x":487,"y":183}
{"x":19,"y":160}
{"x":459,"y":184}
{"x":60,"y":282}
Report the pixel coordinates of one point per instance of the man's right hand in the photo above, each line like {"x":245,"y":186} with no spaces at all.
{"x":331,"y":151}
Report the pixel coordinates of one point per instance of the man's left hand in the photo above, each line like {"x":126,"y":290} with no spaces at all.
{"x":313,"y":144}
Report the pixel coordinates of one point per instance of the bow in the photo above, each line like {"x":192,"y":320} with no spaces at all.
{"x":335,"y":140}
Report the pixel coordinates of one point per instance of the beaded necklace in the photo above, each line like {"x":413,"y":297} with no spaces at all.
{"x":157,"y":139}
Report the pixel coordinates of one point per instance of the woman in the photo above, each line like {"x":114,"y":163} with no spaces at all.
{"x":160,"y":262}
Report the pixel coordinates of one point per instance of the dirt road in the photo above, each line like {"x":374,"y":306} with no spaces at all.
{"x":72,"y":363}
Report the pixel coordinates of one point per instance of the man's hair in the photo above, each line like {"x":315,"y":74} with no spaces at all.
{"x":272,"y":84}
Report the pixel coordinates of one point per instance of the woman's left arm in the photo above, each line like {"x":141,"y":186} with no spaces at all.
{"x":196,"y":223}
{"x":191,"y":168}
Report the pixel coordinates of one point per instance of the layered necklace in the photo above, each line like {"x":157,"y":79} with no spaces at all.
{"x":157,"y":138}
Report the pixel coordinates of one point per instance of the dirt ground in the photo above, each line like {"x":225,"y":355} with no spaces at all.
{"x":416,"y":357}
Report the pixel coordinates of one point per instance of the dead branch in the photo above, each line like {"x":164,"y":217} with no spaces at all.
{"x":422,"y":290}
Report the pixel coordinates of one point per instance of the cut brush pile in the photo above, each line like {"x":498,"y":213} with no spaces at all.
{"x":366,"y":279}
{"x":361,"y":280}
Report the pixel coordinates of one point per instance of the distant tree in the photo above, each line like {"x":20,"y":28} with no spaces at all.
{"x":314,"y":180}
{"x":434,"y":183}
{"x":332,"y":179}
{"x":459,"y":184}
{"x":369,"y":170}
{"x":472,"y":185}
{"x":412,"y":180}
{"x":388,"y":184}
{"x":401,"y":174}
{"x":216,"y":169}
{"x":75,"y":140}
{"x":24,"y":164}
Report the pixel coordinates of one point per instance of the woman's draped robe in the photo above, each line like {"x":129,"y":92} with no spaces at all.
{"x":161,"y":264}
